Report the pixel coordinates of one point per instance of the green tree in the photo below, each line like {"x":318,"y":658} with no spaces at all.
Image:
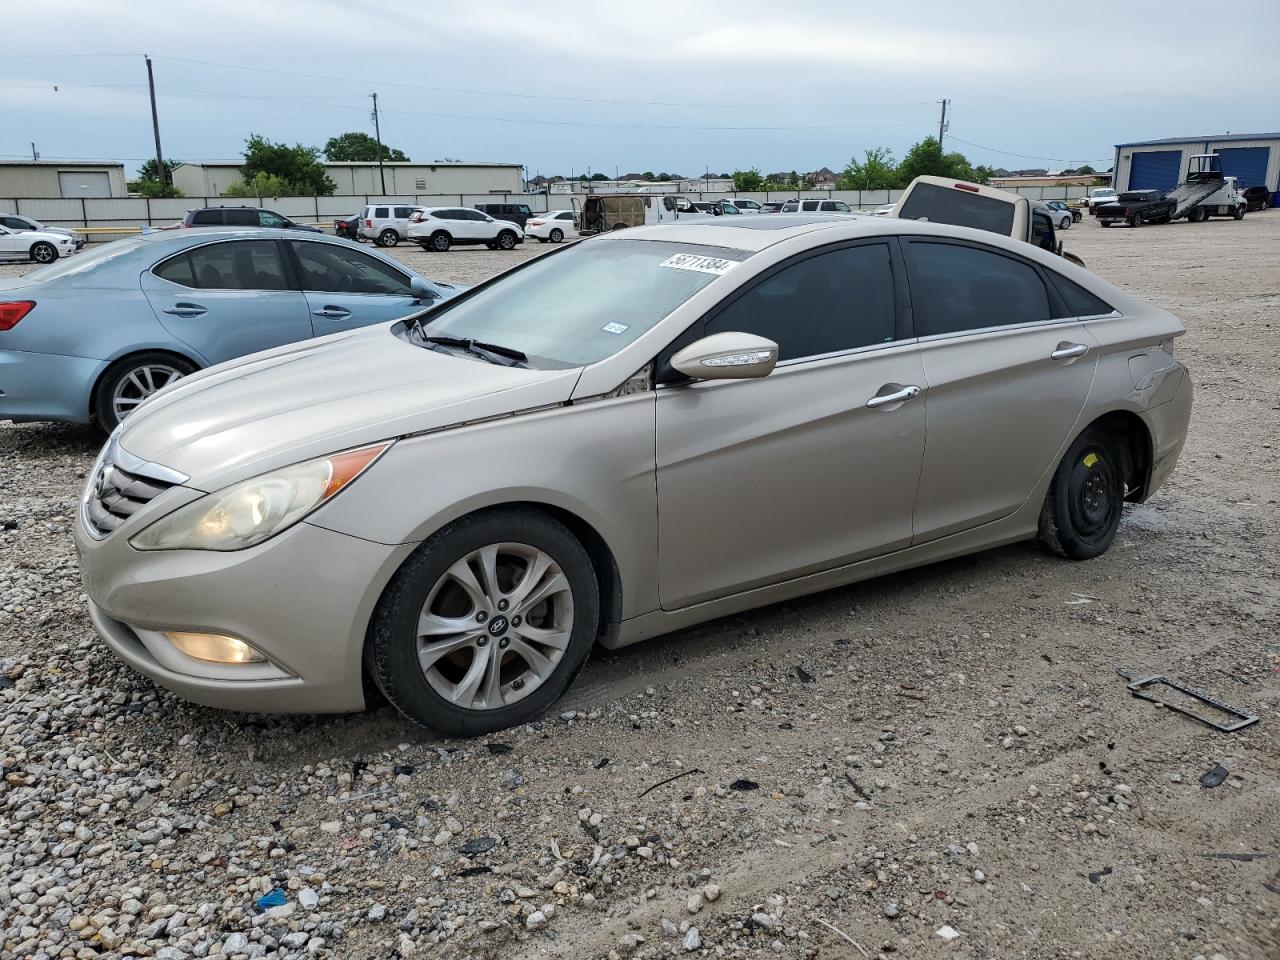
{"x":599,"y":176}
{"x":876,"y":171}
{"x":261,"y":185}
{"x":296,"y":169}
{"x":748,"y":181}
{"x":149,"y":183}
{"x":148,"y":170}
{"x":927,"y":159}
{"x":355,"y":146}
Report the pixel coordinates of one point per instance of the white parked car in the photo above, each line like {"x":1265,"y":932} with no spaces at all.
{"x":39,"y":245}
{"x":744,"y":205}
{"x":386,"y":224}
{"x":439,"y":228}
{"x":812,"y":205}
{"x":1099,"y":196}
{"x":553,"y":226}
{"x":22,"y":224}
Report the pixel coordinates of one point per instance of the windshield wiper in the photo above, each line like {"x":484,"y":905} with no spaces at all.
{"x":494,"y":353}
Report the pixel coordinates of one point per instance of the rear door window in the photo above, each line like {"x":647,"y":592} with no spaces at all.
{"x":380,"y":213}
{"x":956,"y":287}
{"x":809,"y":205}
{"x":239,"y":265}
{"x":403,"y":212}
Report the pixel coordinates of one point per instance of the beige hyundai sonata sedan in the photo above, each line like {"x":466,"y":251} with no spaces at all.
{"x":624,"y":437}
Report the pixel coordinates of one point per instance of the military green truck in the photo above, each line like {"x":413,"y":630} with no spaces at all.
{"x":602,"y":212}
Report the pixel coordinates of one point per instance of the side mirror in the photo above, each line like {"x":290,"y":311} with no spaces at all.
{"x":421,"y":291}
{"x":727,"y":356}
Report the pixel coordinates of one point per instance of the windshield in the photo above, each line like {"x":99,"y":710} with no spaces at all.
{"x":960,"y":208}
{"x":585,"y":303}
{"x":81,"y":262}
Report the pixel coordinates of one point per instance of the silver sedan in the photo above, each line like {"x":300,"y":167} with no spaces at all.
{"x":627,"y":436}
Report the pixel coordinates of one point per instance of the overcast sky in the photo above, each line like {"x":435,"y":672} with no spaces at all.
{"x":680,"y":87}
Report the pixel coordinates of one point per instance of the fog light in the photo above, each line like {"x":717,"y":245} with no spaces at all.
{"x":213,"y":647}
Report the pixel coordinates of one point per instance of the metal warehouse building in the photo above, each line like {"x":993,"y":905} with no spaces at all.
{"x":212,"y":177}
{"x":46,"y":179}
{"x":1252,"y":158}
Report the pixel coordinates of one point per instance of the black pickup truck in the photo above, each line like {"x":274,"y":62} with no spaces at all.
{"x":1136,"y":208}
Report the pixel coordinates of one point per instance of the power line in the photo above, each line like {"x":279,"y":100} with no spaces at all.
{"x":1021,"y":156}
{"x":537,"y":96}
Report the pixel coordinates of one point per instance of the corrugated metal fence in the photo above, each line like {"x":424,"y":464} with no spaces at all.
{"x":106,"y":218}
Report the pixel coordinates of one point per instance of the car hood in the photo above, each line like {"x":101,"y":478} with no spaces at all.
{"x":282,"y":406}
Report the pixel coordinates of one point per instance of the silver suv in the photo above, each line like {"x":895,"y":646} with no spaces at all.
{"x":386,"y":224}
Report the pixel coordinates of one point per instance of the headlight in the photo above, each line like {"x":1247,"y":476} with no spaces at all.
{"x":252,"y":511}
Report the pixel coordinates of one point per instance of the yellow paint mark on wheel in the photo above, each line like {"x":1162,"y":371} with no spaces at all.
{"x":1090,"y":460}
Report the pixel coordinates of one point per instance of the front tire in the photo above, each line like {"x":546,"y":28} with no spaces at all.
{"x":130,"y":381}
{"x":42,"y":252}
{"x":486,"y":624}
{"x":506,"y":240}
{"x":1082,"y":509}
{"x":1066,"y":223}
{"x":388,"y":238}
{"x":1239,"y":213}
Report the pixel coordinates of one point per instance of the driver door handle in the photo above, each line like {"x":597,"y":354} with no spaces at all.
{"x":186,"y":309}
{"x":331,"y":312}
{"x":906,"y":393}
{"x":1069,"y":351}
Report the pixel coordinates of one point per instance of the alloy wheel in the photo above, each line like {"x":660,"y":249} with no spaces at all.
{"x":140,"y":383}
{"x":495,"y":626}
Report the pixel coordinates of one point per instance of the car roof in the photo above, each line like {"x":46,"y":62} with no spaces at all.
{"x":758,"y":233}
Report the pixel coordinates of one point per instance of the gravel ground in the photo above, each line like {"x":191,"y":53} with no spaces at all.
{"x":937,"y":763}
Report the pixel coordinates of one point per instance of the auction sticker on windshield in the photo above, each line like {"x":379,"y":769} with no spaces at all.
{"x":689,"y":261}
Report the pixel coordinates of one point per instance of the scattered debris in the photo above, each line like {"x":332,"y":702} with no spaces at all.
{"x":1139,"y":688}
{"x":840,"y":933}
{"x":499,"y":748}
{"x":1097,"y":875}
{"x":1213,"y":777}
{"x":478,"y":845}
{"x":1242,"y":857}
{"x":660,"y":783}
{"x":403,"y":770}
{"x":947,"y":932}
{"x":472,"y":871}
{"x":803,"y":675}
{"x":276,"y":898}
{"x":743,"y":784}
{"x":1273,"y":884}
{"x":602,"y":763}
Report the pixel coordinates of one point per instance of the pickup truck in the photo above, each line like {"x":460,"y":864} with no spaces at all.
{"x":1137,"y":207}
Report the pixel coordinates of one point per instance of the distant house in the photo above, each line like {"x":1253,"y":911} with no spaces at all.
{"x":823,"y":178}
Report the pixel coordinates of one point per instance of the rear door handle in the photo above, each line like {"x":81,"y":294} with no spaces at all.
{"x":332,"y":313}
{"x":186,"y":310}
{"x":1069,"y":351}
{"x":906,"y":393}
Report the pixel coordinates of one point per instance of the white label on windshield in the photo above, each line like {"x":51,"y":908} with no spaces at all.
{"x":614,"y":328}
{"x":687,"y":261}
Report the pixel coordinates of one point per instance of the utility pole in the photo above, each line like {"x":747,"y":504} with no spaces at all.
{"x":34,"y":156}
{"x":161,"y":171}
{"x":942,"y":122}
{"x":377,"y":135}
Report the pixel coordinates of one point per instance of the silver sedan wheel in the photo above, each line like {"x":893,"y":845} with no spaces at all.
{"x":495,"y":626}
{"x":140,"y":383}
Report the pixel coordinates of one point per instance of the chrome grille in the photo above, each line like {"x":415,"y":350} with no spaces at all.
{"x":121,"y":485}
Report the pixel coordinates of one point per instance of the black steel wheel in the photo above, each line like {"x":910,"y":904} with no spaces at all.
{"x":1082,"y":509}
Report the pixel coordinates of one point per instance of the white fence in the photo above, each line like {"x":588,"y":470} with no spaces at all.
{"x":107,"y":218}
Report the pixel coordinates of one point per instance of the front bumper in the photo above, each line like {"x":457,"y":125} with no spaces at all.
{"x":46,"y":386}
{"x":303,"y":599}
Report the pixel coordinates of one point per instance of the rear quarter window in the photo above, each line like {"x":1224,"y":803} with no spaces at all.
{"x":206,"y":218}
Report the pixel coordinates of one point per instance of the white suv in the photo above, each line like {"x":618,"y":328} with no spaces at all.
{"x":439,"y":228}
{"x":743,"y":204}
{"x":386,"y":224}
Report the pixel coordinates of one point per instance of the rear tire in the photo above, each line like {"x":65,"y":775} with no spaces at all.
{"x":1082,"y":508}
{"x":42,"y":252}
{"x":424,"y":589}
{"x":557,"y":235}
{"x":116,"y":390}
{"x":388,"y":238}
{"x":440,"y":241}
{"x":1135,"y":220}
